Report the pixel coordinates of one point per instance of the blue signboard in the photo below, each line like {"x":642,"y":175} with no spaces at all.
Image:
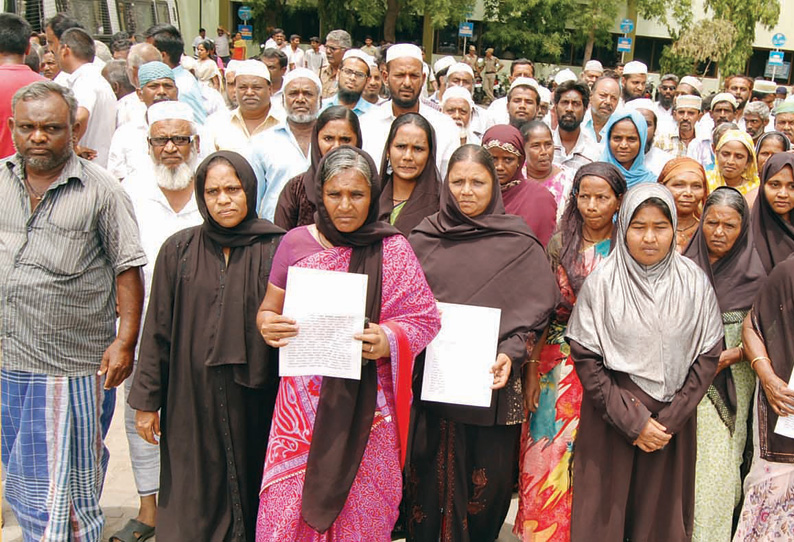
{"x":626,"y":26}
{"x":466,"y":30}
{"x":778,"y":40}
{"x":775,"y":58}
{"x":244,"y":13}
{"x":624,"y":45}
{"x":246,"y":30}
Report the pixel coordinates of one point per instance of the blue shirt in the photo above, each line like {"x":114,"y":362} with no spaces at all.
{"x":190,"y":93}
{"x":275,"y":157}
{"x":361,"y":107}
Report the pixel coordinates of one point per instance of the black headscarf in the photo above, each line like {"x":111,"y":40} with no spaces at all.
{"x":423,"y":201}
{"x":491,"y":260}
{"x":572,"y":222}
{"x":773,"y":236}
{"x":773,"y":320}
{"x":346,"y":407}
{"x":237,"y":341}
{"x":736,"y":278}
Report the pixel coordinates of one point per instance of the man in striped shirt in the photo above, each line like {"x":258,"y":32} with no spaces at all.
{"x":70,"y":260}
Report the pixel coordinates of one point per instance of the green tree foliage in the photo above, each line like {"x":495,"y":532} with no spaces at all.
{"x":707,"y":41}
{"x":532,"y":28}
{"x":744,"y":14}
{"x":592,"y":22}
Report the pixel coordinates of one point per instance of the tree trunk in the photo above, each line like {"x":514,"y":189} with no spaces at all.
{"x":588,"y":48}
{"x":390,"y":20}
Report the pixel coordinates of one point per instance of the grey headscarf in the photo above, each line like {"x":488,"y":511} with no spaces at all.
{"x":649,"y":322}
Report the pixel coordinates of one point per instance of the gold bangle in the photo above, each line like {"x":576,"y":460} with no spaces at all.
{"x":534,"y":361}
{"x":759,"y":358}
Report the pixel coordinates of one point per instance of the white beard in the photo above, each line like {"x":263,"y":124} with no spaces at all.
{"x":177,"y":178}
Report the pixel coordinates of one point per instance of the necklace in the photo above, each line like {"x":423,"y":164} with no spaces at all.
{"x":396,"y":201}
{"x":35,"y":195}
{"x":323,"y":241}
{"x":695,"y":223}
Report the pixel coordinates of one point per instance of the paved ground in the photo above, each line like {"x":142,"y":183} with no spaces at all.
{"x":120,"y":500}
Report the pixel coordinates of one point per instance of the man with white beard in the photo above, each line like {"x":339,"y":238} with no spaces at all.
{"x":164,"y":204}
{"x":278,"y":154}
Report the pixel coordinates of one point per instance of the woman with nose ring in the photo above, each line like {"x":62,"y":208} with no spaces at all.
{"x":686,"y":180}
{"x":645,"y":336}
{"x":539,"y":150}
{"x":626,"y":135}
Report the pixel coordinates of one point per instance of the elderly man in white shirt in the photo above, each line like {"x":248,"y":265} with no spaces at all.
{"x":458,"y":104}
{"x":130,"y":107}
{"x":96,"y":103}
{"x":405,"y":79}
{"x":233,"y":130}
{"x":129,"y":148}
{"x":591,"y":72}
{"x":284,"y":151}
{"x":604,"y":98}
{"x":460,"y":74}
{"x":164,"y":203}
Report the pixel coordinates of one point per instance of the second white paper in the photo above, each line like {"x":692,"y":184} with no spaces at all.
{"x":328,"y":307}
{"x":785,"y":424}
{"x":459,"y":360}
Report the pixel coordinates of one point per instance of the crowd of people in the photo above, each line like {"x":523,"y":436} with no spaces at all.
{"x":639,"y":250}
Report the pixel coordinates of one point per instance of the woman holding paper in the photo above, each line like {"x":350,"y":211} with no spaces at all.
{"x":645,"y":336}
{"x":202,"y":364}
{"x":769,"y":343}
{"x":411,"y":183}
{"x":553,"y":392}
{"x":460,"y":481}
{"x":333,"y":465}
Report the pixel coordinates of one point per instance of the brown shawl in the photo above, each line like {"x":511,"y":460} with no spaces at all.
{"x":774,"y":237}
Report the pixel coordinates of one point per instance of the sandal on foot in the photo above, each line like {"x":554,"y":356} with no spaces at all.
{"x":127,"y":534}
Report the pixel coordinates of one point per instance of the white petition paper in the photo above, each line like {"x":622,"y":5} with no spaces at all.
{"x":459,"y":360}
{"x":328,"y":307}
{"x":785,"y":425}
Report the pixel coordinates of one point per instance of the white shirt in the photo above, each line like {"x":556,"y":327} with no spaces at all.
{"x":665,"y":123}
{"x":294,"y":57}
{"x":222,"y":45}
{"x":656,"y":159}
{"x":584,"y":152}
{"x":157,"y":221}
{"x":375,"y":127}
{"x":498,"y":112}
{"x":94,"y":94}
{"x":129,"y":108}
{"x":129,"y":149}
{"x":196,"y":41}
{"x":314,"y":61}
{"x":275,"y":157}
{"x":229,"y":132}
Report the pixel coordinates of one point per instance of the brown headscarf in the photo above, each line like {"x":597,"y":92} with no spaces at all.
{"x":774,"y":237}
{"x":773,"y":320}
{"x":736,"y":278}
{"x":491,"y":260}
{"x":289,"y":211}
{"x":237,"y":341}
{"x":684,"y":163}
{"x":346,"y":407}
{"x":424,"y":199}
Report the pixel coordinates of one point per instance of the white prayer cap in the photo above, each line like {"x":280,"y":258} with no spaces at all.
{"x":692,"y":82}
{"x":564,"y":75}
{"x":403,"y":50}
{"x":232,"y":66}
{"x":524,"y":82}
{"x":361,"y":55}
{"x":545,"y":95}
{"x":689,"y":101}
{"x":302,"y":73}
{"x":457,"y":92}
{"x":255,"y":68}
{"x":460,"y":67}
{"x":169,"y":110}
{"x":641,"y":103}
{"x":724,"y":97}
{"x":593,"y":66}
{"x":634,"y":67}
{"x":766,"y":87}
{"x":443,"y":62}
